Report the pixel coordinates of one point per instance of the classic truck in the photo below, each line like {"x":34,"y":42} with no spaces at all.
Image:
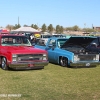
{"x":71,"y":52}
{"x":16,"y":52}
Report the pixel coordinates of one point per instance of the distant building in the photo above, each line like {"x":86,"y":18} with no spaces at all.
{"x":96,"y":28}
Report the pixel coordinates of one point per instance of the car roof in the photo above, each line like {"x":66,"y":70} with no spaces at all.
{"x":82,"y":36}
{"x":10,"y":35}
{"x":56,"y":38}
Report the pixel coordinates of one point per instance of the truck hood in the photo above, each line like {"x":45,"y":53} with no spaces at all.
{"x":23,"y":50}
{"x":82,"y":41}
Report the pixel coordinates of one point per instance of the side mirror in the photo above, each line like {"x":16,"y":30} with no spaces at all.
{"x":50,"y":45}
{"x":33,"y":44}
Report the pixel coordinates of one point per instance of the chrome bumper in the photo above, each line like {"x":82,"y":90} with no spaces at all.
{"x":28,"y":65}
{"x":87,"y":64}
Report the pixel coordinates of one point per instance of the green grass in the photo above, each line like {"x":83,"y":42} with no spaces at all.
{"x":51,"y":83}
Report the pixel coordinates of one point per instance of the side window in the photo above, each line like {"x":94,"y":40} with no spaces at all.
{"x":25,"y":41}
{"x":41,"y":43}
{"x":52,"y":42}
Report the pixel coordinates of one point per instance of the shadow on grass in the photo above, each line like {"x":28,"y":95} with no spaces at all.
{"x":11,"y":69}
{"x":26,"y":69}
{"x":75,"y":67}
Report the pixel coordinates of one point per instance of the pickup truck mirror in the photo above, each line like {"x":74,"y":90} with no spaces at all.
{"x":33,"y":44}
{"x":50,"y":45}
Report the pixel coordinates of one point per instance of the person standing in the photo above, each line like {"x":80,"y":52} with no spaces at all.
{"x":31,"y":36}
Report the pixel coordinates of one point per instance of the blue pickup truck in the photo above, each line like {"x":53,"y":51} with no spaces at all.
{"x":72,"y":52}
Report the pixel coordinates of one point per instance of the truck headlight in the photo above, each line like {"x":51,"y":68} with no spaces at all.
{"x":76,"y":58}
{"x":14,"y":57}
{"x":44,"y":57}
{"x":97,"y":57}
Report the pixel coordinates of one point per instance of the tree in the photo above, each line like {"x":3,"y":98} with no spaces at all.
{"x":43,"y":28}
{"x":32,"y":25}
{"x":69,"y":29}
{"x":10,"y":27}
{"x":50,"y":28}
{"x":75,"y":28}
{"x":57,"y":29}
{"x":25,"y":25}
{"x":35,"y":26}
{"x":61,"y":29}
{"x":17,"y":26}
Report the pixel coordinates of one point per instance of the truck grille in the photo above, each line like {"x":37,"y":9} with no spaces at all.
{"x":29,"y":57}
{"x":86,"y":57}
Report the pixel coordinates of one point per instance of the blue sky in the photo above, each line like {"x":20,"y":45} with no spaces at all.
{"x":66,"y":13}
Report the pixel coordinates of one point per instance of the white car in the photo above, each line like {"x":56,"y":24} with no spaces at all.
{"x":44,"y":38}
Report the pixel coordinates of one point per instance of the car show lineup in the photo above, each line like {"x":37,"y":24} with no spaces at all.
{"x":17,"y":51}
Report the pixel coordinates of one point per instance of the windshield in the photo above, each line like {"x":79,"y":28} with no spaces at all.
{"x":57,"y":35}
{"x":60,"y":42}
{"x":15,"y":41}
{"x":46,"y":36}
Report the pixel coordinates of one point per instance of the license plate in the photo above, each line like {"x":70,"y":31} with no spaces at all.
{"x":87,"y":64}
{"x":30,"y":65}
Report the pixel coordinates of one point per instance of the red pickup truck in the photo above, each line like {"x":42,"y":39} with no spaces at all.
{"x":16,"y":52}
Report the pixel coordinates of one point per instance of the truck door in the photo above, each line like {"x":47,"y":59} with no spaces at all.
{"x":51,"y":48}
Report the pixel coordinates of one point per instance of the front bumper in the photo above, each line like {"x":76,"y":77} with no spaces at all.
{"x":28,"y":65}
{"x":82,"y":64}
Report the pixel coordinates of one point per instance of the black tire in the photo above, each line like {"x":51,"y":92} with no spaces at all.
{"x":63,"y":61}
{"x":4,"y":63}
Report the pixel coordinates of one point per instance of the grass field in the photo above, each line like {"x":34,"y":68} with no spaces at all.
{"x":51,"y":83}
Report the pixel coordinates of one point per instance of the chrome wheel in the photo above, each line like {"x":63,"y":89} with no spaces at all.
{"x":4,"y":63}
{"x":63,"y":62}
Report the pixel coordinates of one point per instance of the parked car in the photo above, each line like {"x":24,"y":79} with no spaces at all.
{"x":17,"y":52}
{"x":58,"y":35}
{"x":44,"y":38}
{"x":70,"y":52}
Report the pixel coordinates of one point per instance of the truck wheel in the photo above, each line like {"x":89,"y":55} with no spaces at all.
{"x":4,"y":64}
{"x":63,"y":61}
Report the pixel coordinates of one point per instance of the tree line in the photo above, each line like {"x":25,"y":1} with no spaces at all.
{"x":50,"y":28}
